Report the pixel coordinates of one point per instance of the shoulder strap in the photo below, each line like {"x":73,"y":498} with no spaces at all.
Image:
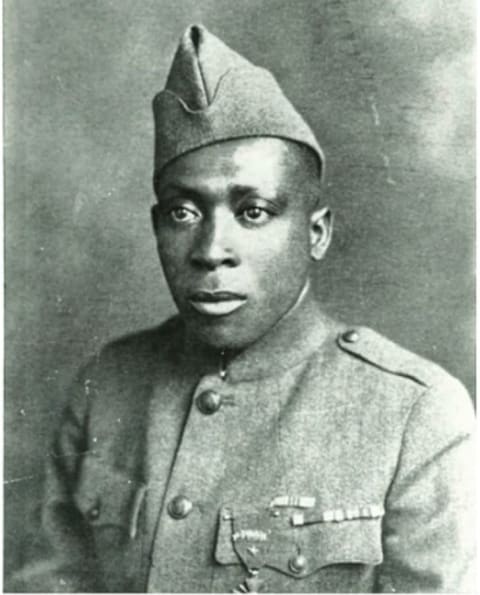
{"x":374,"y":349}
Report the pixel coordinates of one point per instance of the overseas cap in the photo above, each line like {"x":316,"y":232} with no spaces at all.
{"x":213,"y":94}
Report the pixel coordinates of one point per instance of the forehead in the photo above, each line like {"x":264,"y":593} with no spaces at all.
{"x":263,"y":163}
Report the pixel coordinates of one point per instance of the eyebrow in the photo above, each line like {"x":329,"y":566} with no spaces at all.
{"x":239,"y":191}
{"x":235,"y":192}
{"x":179,"y":188}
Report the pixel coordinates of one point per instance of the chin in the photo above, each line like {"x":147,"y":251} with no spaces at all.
{"x":223,"y":337}
{"x":224,"y":333}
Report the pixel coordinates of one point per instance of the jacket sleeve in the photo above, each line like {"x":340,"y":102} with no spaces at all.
{"x":63,"y":560}
{"x":429,"y":525}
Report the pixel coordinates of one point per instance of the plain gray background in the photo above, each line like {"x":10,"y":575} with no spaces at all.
{"x":387,"y":86}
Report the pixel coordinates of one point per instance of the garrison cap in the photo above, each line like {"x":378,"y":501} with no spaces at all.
{"x":213,"y":94}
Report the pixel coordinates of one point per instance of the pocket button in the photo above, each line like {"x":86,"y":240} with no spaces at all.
{"x":298,"y":564}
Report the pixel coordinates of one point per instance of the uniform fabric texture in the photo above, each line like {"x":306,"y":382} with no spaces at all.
{"x":341,"y":448}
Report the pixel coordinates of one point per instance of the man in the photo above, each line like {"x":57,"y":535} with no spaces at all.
{"x":251,"y":443}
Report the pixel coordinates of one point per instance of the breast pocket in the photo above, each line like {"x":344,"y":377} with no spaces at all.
{"x":111,"y":502}
{"x":283,"y":547}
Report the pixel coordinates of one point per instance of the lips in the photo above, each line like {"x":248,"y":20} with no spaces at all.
{"x":217,"y":303}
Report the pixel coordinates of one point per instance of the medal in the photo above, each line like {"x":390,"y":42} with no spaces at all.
{"x":252,"y":583}
{"x":251,"y":542}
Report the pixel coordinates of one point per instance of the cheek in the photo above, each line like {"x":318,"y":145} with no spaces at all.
{"x":171,"y":251}
{"x":279,"y":279}
{"x":281,"y":252}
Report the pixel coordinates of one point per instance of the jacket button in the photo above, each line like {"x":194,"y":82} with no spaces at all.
{"x":297,"y":564}
{"x":179,"y":507}
{"x":209,"y":402}
{"x":351,"y":336}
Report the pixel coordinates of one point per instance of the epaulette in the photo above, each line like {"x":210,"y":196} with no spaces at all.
{"x":373,"y":348}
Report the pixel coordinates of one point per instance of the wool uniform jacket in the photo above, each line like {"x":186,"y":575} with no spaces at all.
{"x":322,"y":458}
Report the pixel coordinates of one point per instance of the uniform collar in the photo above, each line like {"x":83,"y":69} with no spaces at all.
{"x":295,"y":336}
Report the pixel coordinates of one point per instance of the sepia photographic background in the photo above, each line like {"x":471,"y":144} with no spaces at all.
{"x":387,"y":86}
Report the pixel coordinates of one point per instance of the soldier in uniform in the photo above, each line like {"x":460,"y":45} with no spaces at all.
{"x":251,"y":443}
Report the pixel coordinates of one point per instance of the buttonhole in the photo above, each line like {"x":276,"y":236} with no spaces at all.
{"x":229,"y":400}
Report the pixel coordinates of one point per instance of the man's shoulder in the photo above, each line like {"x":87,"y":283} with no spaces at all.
{"x":396,"y":378}
{"x":389,"y":359}
{"x":150,"y":339}
{"x":133,"y":353}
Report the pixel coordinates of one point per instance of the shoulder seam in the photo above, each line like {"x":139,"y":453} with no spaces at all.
{"x":381,"y":353}
{"x":388,"y":370}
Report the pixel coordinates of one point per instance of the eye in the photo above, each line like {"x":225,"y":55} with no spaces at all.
{"x":183,"y":215}
{"x":255,"y":215}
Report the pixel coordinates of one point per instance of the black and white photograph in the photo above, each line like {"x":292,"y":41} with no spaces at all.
{"x":239,"y":322}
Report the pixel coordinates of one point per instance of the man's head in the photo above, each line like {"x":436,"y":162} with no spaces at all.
{"x":239,"y":224}
{"x":239,"y":218}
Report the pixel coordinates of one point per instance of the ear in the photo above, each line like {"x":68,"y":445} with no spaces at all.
{"x":154,"y":215}
{"x":321,"y":226}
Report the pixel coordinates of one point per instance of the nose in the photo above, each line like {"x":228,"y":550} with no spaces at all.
{"x":213,"y":246}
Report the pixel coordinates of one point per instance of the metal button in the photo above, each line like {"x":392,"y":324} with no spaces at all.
{"x":297,"y":564}
{"x":94,"y":513}
{"x":209,"y":402}
{"x":351,"y":336}
{"x":179,"y":507}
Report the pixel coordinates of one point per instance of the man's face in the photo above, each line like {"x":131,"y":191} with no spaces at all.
{"x":235,"y":237}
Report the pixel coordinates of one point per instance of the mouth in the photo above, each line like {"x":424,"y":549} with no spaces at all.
{"x":216,"y":303}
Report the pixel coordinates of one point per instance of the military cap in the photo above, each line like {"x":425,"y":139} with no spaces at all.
{"x":213,"y":94}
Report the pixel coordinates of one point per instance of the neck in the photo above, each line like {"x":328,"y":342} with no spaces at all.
{"x":302,"y":328}
{"x":228,"y":354}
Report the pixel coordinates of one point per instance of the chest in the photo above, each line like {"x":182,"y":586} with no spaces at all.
{"x":285,"y":475}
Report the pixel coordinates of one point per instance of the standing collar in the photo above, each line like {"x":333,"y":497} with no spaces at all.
{"x":302,"y":330}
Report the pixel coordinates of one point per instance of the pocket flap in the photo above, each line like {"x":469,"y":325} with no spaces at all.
{"x":107,"y":496}
{"x":297,"y":551}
